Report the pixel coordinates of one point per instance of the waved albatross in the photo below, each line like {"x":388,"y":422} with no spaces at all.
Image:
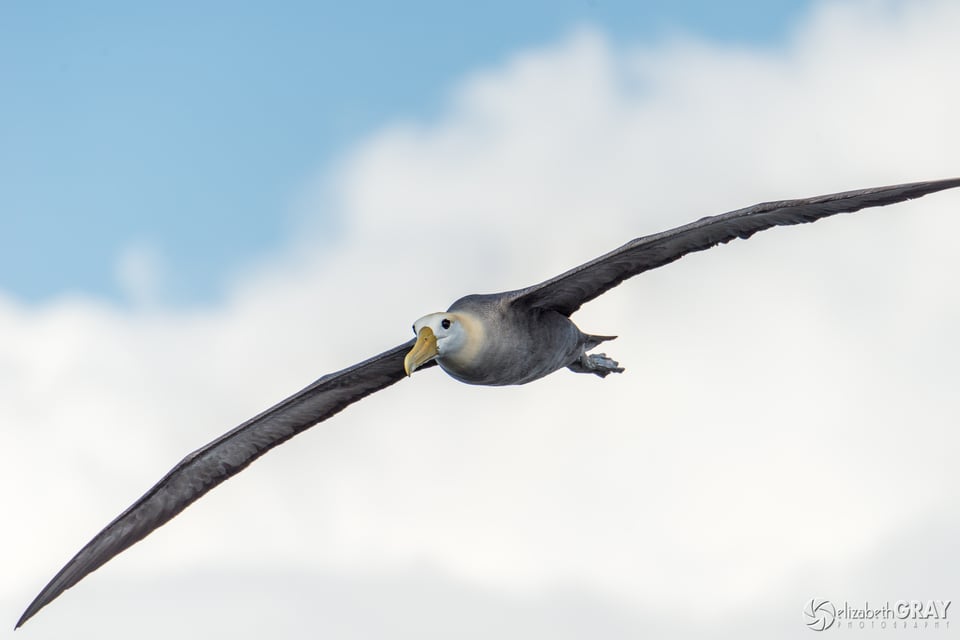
{"x":500,"y":339}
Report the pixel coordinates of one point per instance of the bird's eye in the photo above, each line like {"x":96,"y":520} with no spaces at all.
{"x":445,"y":323}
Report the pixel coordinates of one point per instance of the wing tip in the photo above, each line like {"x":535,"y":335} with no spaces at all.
{"x":29,"y":613}
{"x":44,"y":598}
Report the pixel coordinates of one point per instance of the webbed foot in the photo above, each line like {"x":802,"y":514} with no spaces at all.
{"x":596,"y":363}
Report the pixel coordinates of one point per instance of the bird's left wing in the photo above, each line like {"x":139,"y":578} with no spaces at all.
{"x":568,"y":291}
{"x":229,"y":454}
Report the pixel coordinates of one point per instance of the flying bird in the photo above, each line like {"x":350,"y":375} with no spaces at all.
{"x":495,"y":339}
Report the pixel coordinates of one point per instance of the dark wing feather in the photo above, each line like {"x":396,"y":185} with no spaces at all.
{"x":229,"y":454}
{"x":568,"y":291}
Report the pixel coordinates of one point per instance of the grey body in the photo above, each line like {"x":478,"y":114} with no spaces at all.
{"x":532,"y":337}
{"x":531,"y":343}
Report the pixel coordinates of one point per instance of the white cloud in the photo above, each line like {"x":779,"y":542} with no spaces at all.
{"x":785,"y":428}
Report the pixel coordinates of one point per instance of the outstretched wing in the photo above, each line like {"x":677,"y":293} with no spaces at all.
{"x":568,"y":291}
{"x":229,"y":454}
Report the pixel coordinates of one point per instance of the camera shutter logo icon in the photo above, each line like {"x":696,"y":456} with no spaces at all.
{"x":819,"y":614}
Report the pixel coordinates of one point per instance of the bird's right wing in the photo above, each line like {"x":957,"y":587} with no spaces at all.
{"x":568,"y":291}
{"x":229,"y":454}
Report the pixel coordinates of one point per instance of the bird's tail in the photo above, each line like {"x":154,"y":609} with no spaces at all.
{"x":591,"y":341}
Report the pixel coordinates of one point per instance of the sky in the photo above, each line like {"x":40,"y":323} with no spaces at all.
{"x":182,"y":132}
{"x":205,"y":209}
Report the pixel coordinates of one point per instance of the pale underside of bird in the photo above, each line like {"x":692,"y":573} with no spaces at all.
{"x":498,"y":339}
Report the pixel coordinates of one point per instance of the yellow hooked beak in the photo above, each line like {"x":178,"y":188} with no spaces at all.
{"x":423,"y":351}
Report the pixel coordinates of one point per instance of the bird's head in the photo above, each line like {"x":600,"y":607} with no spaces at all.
{"x":445,"y":335}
